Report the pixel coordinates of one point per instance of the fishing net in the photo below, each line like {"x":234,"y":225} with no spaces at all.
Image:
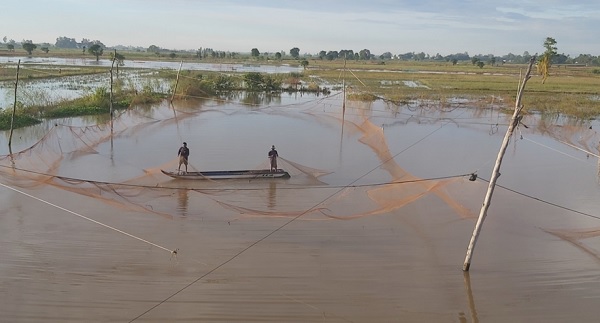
{"x":308,"y":193}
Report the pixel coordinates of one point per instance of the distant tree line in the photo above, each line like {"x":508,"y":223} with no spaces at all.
{"x":348,"y":54}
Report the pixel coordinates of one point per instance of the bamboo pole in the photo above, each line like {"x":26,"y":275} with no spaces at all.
{"x":344,"y":87}
{"x":496,"y":172}
{"x":12,"y":118}
{"x":111,"y":90}
{"x":176,"y":82}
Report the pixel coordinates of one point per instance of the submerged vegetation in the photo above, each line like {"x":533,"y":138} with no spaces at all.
{"x":572,"y":90}
{"x":203,"y":84}
{"x":34,"y":105}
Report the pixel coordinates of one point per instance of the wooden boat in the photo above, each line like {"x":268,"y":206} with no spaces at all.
{"x":228,"y":174}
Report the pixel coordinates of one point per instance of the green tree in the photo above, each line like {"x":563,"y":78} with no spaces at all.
{"x":254,"y":52}
{"x":474,"y":60}
{"x":322,"y":54}
{"x":386,"y":55}
{"x":304,"y":63}
{"x":119,"y":58}
{"x":346,"y":54}
{"x":332,"y":54}
{"x":480,"y":64}
{"x":454,"y":61}
{"x":365,"y":54}
{"x":28,"y":46}
{"x":10,"y":47}
{"x":278,"y":56}
{"x":545,"y":61}
{"x":153,"y":49}
{"x":45,"y":49}
{"x":96,"y":50}
{"x":65,"y":42}
{"x":295,"y":52}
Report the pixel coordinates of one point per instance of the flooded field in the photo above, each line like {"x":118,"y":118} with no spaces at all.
{"x":52,"y":91}
{"x":138,"y":64}
{"x":372,"y":226}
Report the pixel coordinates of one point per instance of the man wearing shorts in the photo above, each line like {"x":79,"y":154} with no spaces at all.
{"x":183,"y":153}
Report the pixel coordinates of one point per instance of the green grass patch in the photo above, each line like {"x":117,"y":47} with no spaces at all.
{"x":20,"y":120}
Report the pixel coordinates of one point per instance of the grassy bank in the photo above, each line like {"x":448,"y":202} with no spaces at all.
{"x":573,"y":91}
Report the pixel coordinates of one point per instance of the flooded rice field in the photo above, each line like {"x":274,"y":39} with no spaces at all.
{"x":52,"y":91}
{"x":153,"y":65}
{"x":372,"y":226}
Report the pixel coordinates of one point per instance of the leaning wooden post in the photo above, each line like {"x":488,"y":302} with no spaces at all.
{"x":12,"y":118}
{"x":496,"y":172}
{"x":176,"y":82}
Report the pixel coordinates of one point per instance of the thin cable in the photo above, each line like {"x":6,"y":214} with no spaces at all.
{"x":544,"y":201}
{"x":65,"y":178}
{"x":89,"y":219}
{"x":573,"y":146}
{"x":556,"y":150}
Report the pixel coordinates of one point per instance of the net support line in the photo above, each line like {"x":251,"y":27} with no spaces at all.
{"x":89,"y":219}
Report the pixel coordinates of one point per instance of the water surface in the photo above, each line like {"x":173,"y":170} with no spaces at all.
{"x":372,"y":227}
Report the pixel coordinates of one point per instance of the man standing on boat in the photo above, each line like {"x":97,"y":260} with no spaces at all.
{"x":183,"y":153}
{"x":273,"y":157}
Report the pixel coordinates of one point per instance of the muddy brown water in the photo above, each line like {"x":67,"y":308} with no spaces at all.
{"x":334,"y":243}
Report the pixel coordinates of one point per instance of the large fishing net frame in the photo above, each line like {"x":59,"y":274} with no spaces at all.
{"x":39,"y":165}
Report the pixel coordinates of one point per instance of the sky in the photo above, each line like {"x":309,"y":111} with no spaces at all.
{"x":397,"y":26}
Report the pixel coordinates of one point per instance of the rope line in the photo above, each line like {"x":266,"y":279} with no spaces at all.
{"x":544,"y":201}
{"x":581,"y":149}
{"x":65,"y":178}
{"x":89,"y":219}
{"x":555,"y":150}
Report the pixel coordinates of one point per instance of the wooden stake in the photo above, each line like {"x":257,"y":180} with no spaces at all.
{"x":496,"y":172}
{"x":12,"y":118}
{"x":176,"y":82}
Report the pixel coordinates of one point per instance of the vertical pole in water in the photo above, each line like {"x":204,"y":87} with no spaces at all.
{"x":344,"y":88}
{"x":12,"y":118}
{"x":176,"y":82}
{"x":496,"y":172}
{"x":111,"y":90}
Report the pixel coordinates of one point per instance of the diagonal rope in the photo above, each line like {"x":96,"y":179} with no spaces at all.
{"x":89,"y":219}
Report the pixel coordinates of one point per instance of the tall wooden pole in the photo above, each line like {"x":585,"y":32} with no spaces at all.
{"x":12,"y":118}
{"x":344,"y":87}
{"x":176,"y":82}
{"x":111,"y":90}
{"x":496,"y":172}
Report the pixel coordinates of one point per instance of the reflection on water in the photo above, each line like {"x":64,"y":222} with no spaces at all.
{"x":272,"y":195}
{"x":182,"y":199}
{"x":470,"y":300}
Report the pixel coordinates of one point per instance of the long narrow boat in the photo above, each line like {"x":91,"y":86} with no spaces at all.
{"x":229,"y":174}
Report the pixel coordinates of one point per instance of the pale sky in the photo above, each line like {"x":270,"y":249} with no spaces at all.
{"x":398,"y":26}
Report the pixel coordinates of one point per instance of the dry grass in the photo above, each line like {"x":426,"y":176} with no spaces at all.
{"x":573,"y":91}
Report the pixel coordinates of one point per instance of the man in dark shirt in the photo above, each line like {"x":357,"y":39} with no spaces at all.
{"x":183,"y":153}
{"x":273,"y":157}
